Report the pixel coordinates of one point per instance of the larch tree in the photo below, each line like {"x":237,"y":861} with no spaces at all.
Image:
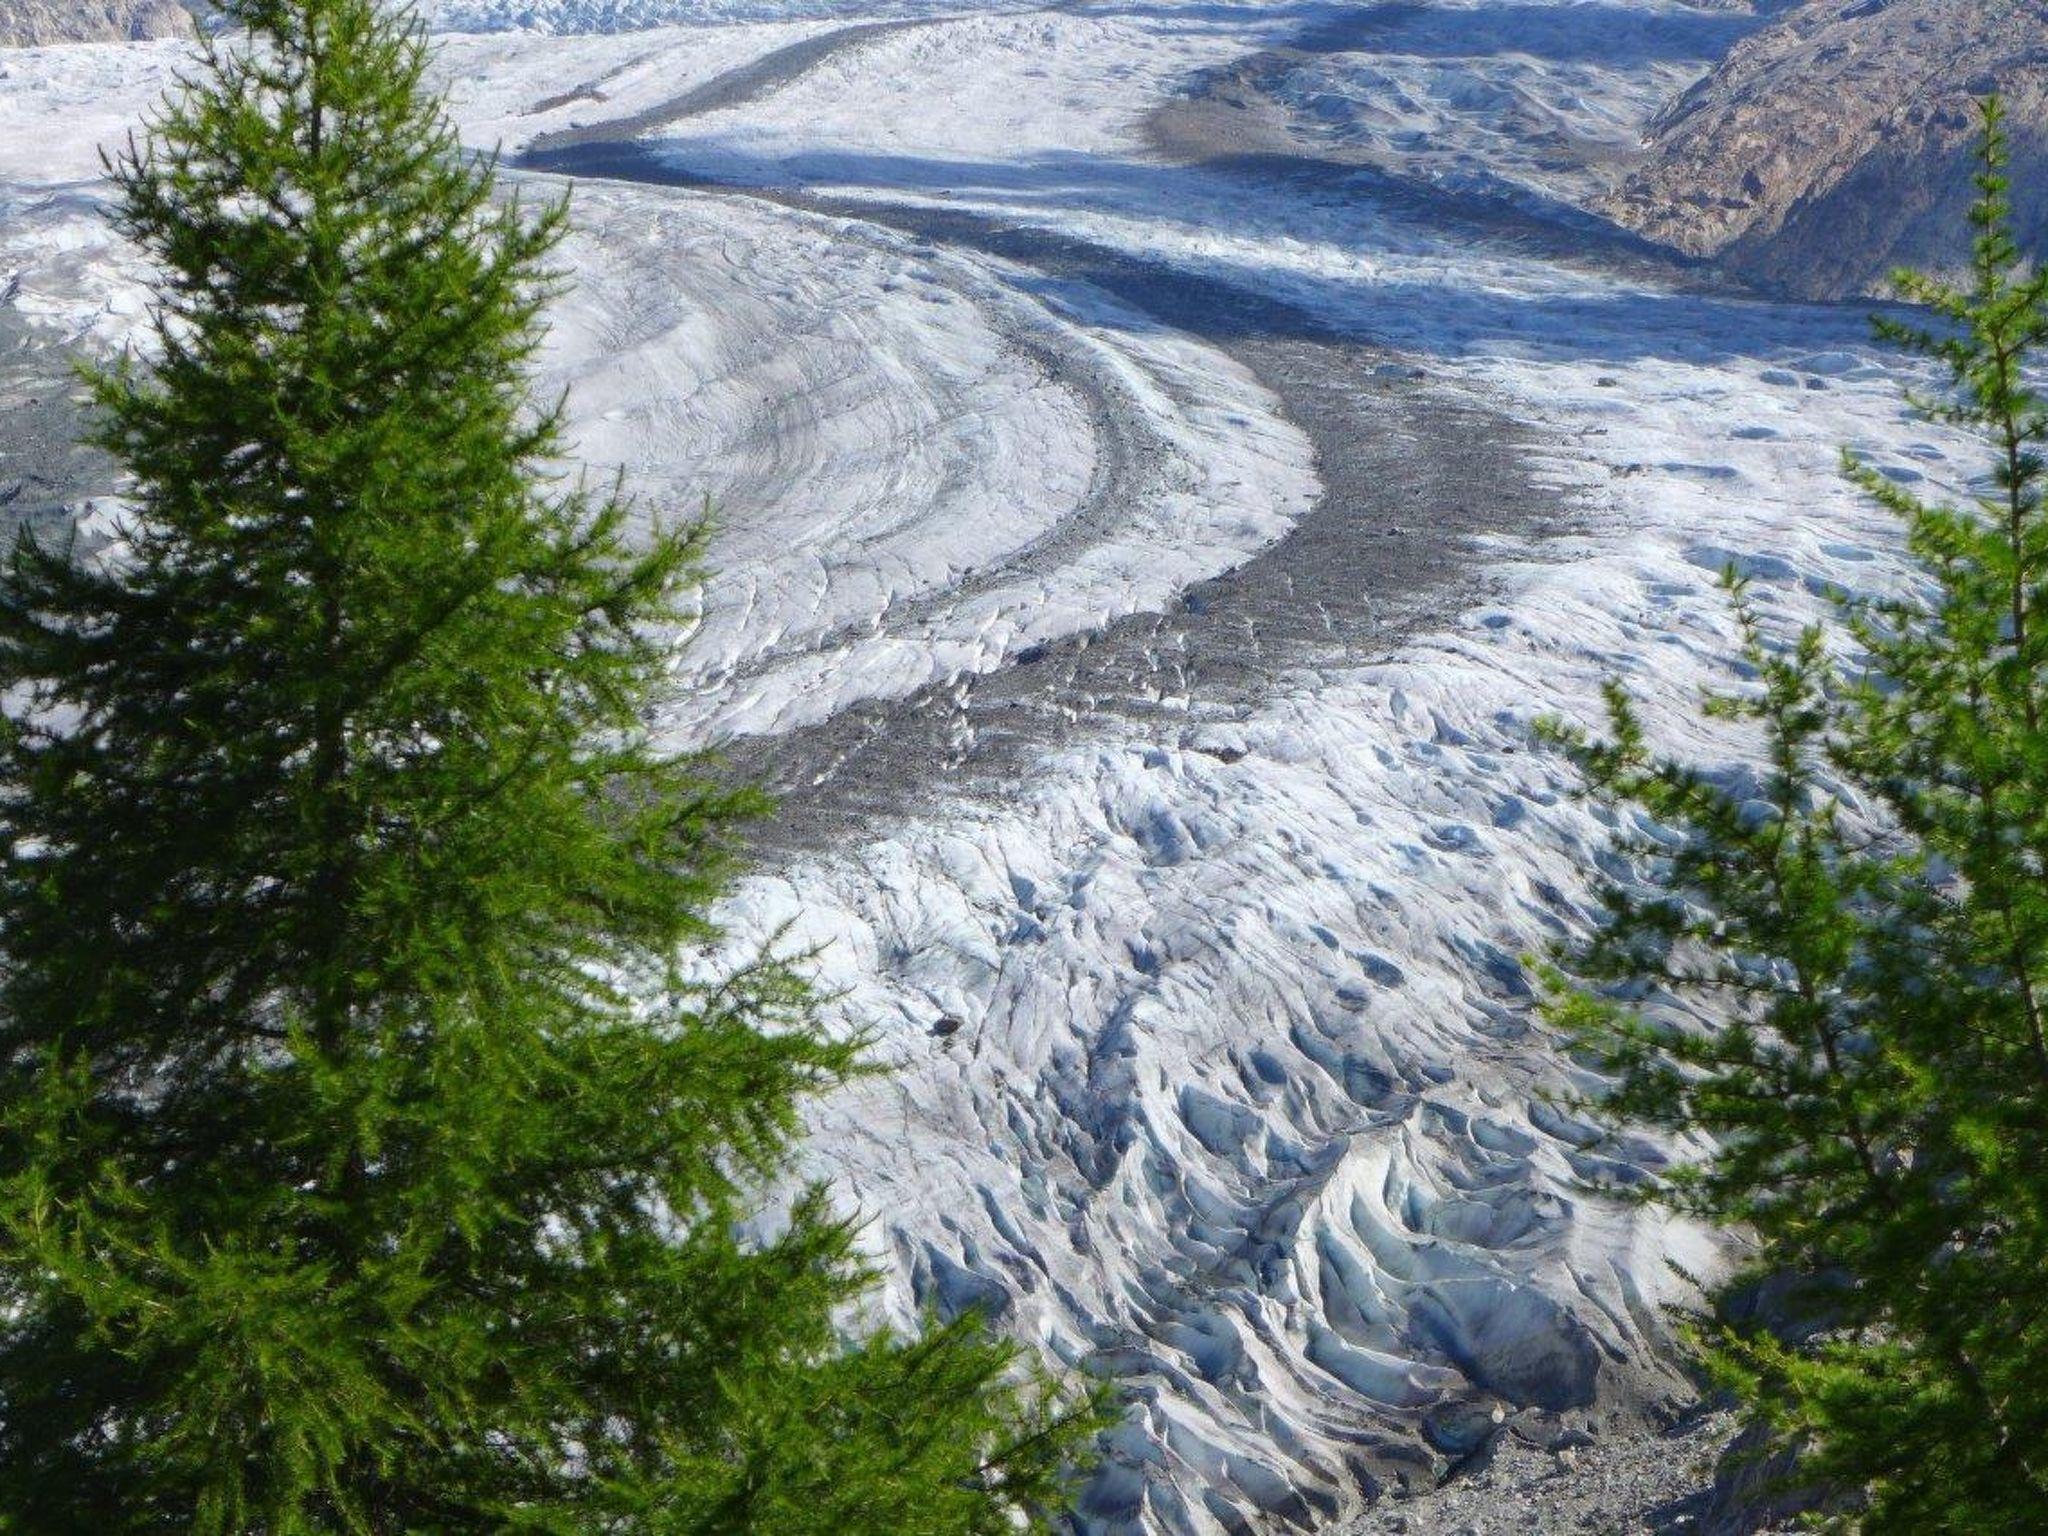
{"x":1861,"y":932}
{"x":369,"y":1161}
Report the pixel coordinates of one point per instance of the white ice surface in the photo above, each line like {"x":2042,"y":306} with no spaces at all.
{"x":568,"y":17}
{"x":60,"y":107}
{"x":902,"y":493}
{"x":1549,"y":99}
{"x":1249,"y":1099}
{"x":1248,"y":1103}
{"x":891,"y":440}
{"x":507,"y":88}
{"x":1044,"y":106}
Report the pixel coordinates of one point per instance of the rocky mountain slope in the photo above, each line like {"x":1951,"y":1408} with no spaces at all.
{"x":1835,"y":143}
{"x":34,"y":23}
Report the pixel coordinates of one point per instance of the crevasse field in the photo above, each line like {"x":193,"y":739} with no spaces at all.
{"x":1165,"y":456}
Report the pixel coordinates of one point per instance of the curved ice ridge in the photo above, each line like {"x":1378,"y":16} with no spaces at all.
{"x":919,"y":466}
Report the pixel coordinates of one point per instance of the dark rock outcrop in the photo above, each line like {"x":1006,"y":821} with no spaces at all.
{"x":1836,"y":143}
{"x":35,"y":23}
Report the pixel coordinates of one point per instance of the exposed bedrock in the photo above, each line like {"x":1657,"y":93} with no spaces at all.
{"x":37,"y":23}
{"x":1807,"y":147}
{"x":1836,"y":144}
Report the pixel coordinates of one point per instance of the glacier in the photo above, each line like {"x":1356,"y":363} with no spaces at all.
{"x":1165,"y":457}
